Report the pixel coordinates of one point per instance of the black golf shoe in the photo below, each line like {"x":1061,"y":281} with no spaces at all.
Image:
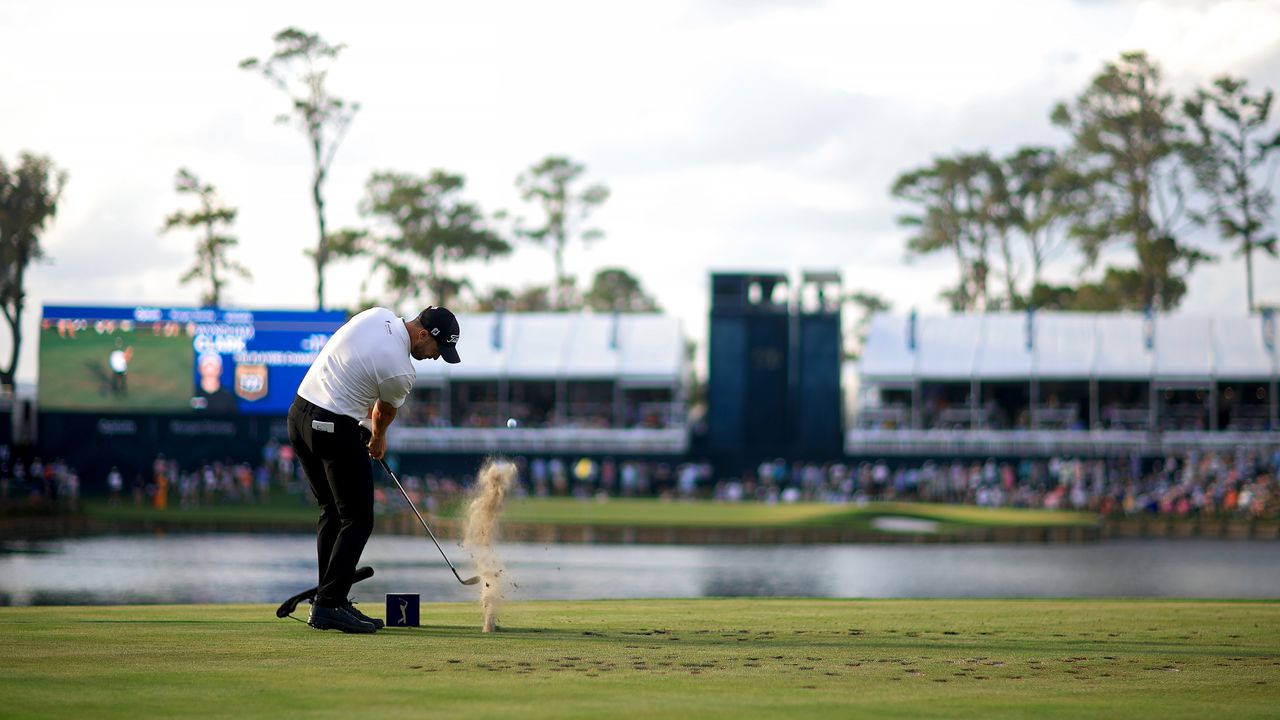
{"x":351,"y":608}
{"x":339,"y":618}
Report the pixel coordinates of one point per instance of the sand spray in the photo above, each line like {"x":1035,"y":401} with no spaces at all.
{"x":481,"y":532}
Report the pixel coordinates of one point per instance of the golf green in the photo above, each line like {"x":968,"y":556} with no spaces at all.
{"x":637,"y":512}
{"x":665,"y":658}
{"x":642,"y":512}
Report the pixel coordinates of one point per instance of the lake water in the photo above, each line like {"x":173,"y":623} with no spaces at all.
{"x":244,"y":568}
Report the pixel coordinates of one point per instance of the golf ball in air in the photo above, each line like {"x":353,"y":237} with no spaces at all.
{"x":511,"y":422}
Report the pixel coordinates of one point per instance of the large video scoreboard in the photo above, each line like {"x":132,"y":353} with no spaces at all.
{"x":177,"y":360}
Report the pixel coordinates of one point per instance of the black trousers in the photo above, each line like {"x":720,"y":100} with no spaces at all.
{"x":341,"y":476}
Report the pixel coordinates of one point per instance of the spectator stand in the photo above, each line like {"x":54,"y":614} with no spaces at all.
{"x":1030,"y":383}
{"x":575,"y":382}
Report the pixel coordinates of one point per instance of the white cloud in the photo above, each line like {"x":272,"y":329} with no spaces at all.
{"x":761,"y":136}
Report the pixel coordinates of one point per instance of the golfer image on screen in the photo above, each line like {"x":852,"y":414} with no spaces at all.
{"x":118,"y":360}
{"x":364,"y":371}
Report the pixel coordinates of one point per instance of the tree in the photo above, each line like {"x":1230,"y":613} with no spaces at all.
{"x":867,"y":305}
{"x":534,"y":298}
{"x":1118,"y":289}
{"x":299,"y":67}
{"x":1128,"y":148}
{"x":497,"y":298}
{"x":29,"y":195}
{"x":211,"y":265}
{"x":1227,"y":153}
{"x":432,"y":228}
{"x":1044,"y":194}
{"x":548,"y":184}
{"x":961,"y":207}
{"x":616,"y":289}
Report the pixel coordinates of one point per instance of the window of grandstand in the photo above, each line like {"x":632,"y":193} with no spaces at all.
{"x":1064,"y":405}
{"x":1124,"y":405}
{"x":533,"y":403}
{"x":949,"y":405}
{"x":474,"y":404}
{"x":651,"y":408}
{"x":590,"y":404}
{"x":1006,"y":405}
{"x":1183,"y":408}
{"x":426,"y":408}
{"x":1243,"y":406}
{"x":885,"y":408}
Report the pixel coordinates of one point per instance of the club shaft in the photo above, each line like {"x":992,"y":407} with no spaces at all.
{"x":420,"y":519}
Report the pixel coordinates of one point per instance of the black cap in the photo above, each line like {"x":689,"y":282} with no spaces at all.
{"x":443,"y":326}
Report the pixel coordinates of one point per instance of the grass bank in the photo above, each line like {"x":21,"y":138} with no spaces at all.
{"x":287,"y":511}
{"x":657,"y":513}
{"x":686,"y":658}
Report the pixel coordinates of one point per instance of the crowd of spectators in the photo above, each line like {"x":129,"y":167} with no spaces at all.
{"x":1241,"y":484}
{"x":1235,"y":484}
{"x":164,"y":485}
{"x":52,"y":483}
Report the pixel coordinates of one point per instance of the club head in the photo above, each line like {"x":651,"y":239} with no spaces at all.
{"x":471,"y":580}
{"x":286,"y":609}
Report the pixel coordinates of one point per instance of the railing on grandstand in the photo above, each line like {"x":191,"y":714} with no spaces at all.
{"x":1249,"y":417}
{"x":580,"y":415}
{"x":641,"y":441}
{"x":1036,"y":442}
{"x":1040,"y":417}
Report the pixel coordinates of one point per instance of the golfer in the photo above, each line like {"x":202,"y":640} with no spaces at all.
{"x":119,"y":359}
{"x":364,"y":371}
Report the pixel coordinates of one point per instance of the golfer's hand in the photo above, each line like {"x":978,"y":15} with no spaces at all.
{"x":377,"y":446}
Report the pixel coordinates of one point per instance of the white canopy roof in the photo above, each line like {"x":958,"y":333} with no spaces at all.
{"x":1117,"y":346}
{"x":948,"y":347}
{"x":1003,"y":351}
{"x":886,"y":354}
{"x":1240,"y":349}
{"x":629,"y":348}
{"x":1065,"y":344}
{"x":1184,"y":348}
{"x":1120,"y":347}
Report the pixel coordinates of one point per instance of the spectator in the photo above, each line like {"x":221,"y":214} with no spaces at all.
{"x":115,"y":487}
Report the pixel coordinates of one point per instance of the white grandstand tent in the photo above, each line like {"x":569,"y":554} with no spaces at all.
{"x":1119,"y":345}
{"x":550,"y":371}
{"x":1043,"y":373}
{"x":631,"y":348}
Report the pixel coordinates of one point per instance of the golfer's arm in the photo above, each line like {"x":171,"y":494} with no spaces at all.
{"x":383,"y":413}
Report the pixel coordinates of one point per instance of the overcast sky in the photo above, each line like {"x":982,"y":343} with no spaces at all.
{"x":733,"y":135}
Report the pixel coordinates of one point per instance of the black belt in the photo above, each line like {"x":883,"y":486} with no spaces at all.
{"x":307,"y":406}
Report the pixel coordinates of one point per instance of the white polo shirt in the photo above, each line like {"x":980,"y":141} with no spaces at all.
{"x":366,"y":360}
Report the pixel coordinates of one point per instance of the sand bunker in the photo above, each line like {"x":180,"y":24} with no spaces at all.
{"x":894,"y":523}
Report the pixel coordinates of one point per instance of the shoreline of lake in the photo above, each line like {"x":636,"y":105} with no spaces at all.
{"x":66,"y":525}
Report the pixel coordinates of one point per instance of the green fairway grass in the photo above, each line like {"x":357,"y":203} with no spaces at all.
{"x":281,"y":510}
{"x":655,"y":658}
{"x":74,"y":374}
{"x":633,"y":512}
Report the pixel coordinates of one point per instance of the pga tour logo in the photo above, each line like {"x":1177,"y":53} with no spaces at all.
{"x":251,"y":382}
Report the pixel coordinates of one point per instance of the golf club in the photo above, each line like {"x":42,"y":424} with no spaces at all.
{"x":288,"y":606}
{"x":468,"y":581}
